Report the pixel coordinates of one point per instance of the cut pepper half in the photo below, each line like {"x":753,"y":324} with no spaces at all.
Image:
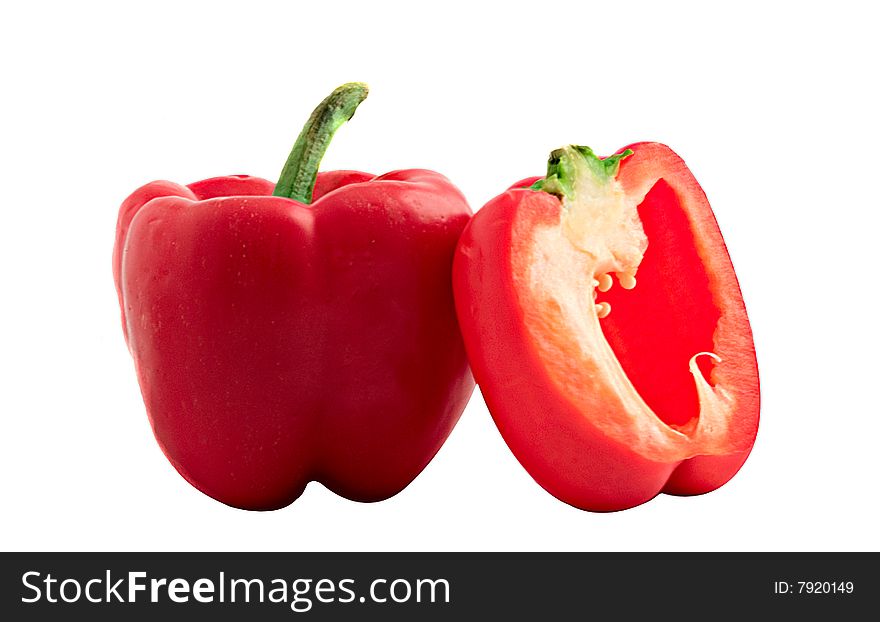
{"x":606,"y":328}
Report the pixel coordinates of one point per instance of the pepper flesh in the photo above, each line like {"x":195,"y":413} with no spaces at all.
{"x":608,"y":402}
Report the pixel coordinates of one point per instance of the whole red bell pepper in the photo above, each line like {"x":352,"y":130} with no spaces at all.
{"x":304,"y":331}
{"x":610,"y":395}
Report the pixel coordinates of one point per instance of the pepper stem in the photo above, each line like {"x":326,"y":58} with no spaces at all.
{"x":297,"y":180}
{"x":572,"y":164}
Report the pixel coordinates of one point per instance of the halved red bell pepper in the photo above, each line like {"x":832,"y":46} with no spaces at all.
{"x":309,"y":335}
{"x":610,"y":395}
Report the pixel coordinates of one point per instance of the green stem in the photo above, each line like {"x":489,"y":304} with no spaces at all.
{"x":298,"y":176}
{"x":573,"y":163}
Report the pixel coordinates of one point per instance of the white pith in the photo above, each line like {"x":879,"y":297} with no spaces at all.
{"x":600,"y":233}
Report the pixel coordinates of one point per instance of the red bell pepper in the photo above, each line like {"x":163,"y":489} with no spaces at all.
{"x":610,"y":395}
{"x":304,"y":331}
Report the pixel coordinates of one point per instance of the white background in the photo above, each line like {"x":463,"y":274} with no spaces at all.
{"x":773,"y":105}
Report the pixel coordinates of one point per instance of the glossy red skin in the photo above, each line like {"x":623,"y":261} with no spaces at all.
{"x":278,"y":343}
{"x":558,"y":444}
